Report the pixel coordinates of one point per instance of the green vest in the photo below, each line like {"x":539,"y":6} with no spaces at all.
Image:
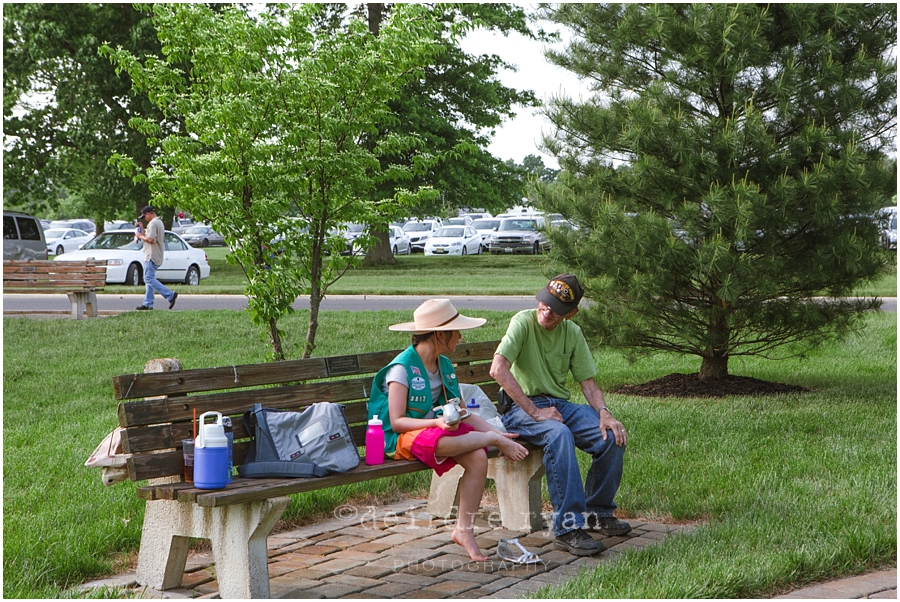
{"x":418,"y":402}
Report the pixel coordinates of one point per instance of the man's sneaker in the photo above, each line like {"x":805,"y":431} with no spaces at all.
{"x":608,"y":525}
{"x":172,"y":302}
{"x":143,"y":307}
{"x":579,"y":543}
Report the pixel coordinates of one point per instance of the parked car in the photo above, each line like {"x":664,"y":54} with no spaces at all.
{"x":485,"y":227}
{"x":125,"y":259}
{"x":889,"y":228}
{"x":61,"y":241}
{"x":520,"y":235}
{"x":180,"y":225}
{"x":81,"y":224}
{"x":45,"y":224}
{"x":419,"y":232}
{"x":462,"y":220}
{"x":454,"y":240}
{"x":399,"y":241}
{"x":202,"y":236}
{"x":118,"y":224}
{"x":477,"y":215}
{"x":23,"y":237}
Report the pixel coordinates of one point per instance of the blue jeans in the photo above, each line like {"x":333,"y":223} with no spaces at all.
{"x":580,"y":428}
{"x":153,"y":284}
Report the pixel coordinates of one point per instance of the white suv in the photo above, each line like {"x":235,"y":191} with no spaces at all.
{"x":520,"y":235}
{"x":419,"y":232}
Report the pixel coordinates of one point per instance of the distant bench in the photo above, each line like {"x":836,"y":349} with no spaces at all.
{"x":238,"y":519}
{"x":80,"y":280}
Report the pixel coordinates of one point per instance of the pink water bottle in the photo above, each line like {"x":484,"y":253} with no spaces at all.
{"x":374,"y":442}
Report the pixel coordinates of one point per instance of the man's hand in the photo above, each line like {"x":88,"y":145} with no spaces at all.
{"x":608,"y":422}
{"x":542,"y":414}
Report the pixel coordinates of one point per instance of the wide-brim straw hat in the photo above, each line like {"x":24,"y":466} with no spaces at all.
{"x":437,"y":314}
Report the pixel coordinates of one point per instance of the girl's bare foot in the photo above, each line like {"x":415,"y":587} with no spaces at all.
{"x":467,"y":540}
{"x":509,"y":448}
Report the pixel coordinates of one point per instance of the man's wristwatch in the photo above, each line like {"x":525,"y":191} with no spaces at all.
{"x":604,"y":408}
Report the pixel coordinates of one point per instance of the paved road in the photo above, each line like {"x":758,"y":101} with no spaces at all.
{"x":119,"y":303}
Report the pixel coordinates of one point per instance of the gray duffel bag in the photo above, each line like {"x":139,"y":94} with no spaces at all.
{"x":313,"y":443}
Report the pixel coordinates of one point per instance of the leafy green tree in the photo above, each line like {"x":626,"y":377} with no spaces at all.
{"x":275,"y":114}
{"x":726,"y":171}
{"x":453,"y":109}
{"x":66,"y":112}
{"x":533,"y":164}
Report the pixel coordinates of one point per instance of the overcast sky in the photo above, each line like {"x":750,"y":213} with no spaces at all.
{"x":520,"y":137}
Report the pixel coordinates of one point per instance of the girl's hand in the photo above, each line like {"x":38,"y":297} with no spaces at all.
{"x":439,"y":423}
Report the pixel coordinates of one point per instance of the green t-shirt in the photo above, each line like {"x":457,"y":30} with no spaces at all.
{"x":542,"y":358}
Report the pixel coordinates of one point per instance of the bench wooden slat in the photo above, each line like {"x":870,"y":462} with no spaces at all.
{"x":246,"y":490}
{"x":155,"y":411}
{"x":155,"y":428}
{"x":48,"y":291}
{"x":44,"y":276}
{"x":134,"y":386}
{"x":170,"y":420}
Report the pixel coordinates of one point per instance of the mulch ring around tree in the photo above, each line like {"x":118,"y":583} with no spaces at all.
{"x":690,"y":385}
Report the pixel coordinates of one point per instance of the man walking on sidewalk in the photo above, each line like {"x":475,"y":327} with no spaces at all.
{"x":154,"y":249}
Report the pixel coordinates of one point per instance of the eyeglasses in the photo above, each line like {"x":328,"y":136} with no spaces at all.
{"x":543,"y":307}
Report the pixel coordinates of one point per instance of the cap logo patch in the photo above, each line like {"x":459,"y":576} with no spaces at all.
{"x":561,"y":291}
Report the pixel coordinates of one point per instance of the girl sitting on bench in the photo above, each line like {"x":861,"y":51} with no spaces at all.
{"x":405,"y":395}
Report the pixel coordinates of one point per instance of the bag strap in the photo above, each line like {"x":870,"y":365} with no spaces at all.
{"x":277,"y":468}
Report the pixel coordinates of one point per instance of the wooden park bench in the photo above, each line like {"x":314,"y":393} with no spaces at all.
{"x":157,"y":413}
{"x":80,"y":280}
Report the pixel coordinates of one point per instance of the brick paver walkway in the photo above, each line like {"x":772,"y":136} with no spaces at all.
{"x":399,"y":551}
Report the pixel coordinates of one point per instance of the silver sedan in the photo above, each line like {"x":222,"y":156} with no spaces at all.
{"x":202,"y":236}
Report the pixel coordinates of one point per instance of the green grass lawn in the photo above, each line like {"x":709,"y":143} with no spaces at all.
{"x":420,"y":275}
{"x":787,"y":490}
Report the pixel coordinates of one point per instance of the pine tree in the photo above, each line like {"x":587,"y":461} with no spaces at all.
{"x":725,"y":173}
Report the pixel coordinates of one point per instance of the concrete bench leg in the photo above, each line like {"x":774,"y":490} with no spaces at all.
{"x":83,"y":302}
{"x":238,"y":535}
{"x":518,"y":490}
{"x":79,"y":301}
{"x":443,"y":497}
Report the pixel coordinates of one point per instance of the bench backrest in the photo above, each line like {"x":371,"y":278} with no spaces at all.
{"x":41,"y":274}
{"x":155,"y":425}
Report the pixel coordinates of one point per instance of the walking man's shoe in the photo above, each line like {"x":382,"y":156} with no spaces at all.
{"x":172,"y":302}
{"x":143,"y":307}
{"x":607,"y":525}
{"x":579,"y":543}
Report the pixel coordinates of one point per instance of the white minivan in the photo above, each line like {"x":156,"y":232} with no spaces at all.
{"x":23,"y":237}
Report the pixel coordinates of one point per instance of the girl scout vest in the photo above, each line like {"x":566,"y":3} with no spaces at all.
{"x":419,"y":401}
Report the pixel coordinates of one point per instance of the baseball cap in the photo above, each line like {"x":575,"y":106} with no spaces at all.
{"x":146,"y":210}
{"x":562,"y":294}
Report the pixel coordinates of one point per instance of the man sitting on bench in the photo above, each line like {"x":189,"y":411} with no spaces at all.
{"x":537,"y":352}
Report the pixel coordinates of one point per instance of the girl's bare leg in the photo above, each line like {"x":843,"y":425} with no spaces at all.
{"x":454,"y":446}
{"x":471,"y":488}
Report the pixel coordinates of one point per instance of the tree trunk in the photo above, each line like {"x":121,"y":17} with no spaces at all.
{"x":714,"y":368}
{"x":715,"y":357}
{"x":376,"y":14}
{"x":315,"y":301}
{"x":276,"y":340}
{"x":381,"y":253}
